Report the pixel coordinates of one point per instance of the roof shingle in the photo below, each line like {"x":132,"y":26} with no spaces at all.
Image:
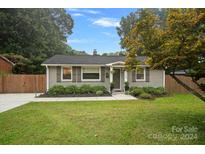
{"x":87,"y":59}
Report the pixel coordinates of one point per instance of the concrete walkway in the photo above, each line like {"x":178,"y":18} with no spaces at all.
{"x":10,"y":101}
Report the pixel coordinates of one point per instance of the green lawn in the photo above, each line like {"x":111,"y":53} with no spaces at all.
{"x":106,"y":122}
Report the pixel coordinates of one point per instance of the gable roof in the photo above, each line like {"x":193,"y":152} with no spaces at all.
{"x":5,"y":59}
{"x":87,"y":59}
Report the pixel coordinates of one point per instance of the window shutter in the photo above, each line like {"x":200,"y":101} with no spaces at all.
{"x":74,"y":73}
{"x":102,"y":74}
{"x":147,"y":70}
{"x":78,"y":70}
{"x":133,"y":76}
{"x":58,"y":73}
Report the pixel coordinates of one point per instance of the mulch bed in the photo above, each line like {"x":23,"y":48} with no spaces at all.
{"x":74,"y":95}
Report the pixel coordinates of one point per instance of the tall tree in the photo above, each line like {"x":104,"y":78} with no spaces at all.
{"x":34,"y":33}
{"x":177,"y":45}
{"x":127,"y":23}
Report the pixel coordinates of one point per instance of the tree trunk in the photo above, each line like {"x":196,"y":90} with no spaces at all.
{"x":194,"y":92}
{"x":199,"y":85}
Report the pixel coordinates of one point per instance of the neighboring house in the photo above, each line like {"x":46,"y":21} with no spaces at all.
{"x":99,"y":70}
{"x":6,"y":65}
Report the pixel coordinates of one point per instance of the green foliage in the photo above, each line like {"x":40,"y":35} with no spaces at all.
{"x":85,"y":89}
{"x":99,"y":93}
{"x":155,"y":92}
{"x":98,"y":88}
{"x":73,"y":89}
{"x":34,"y":34}
{"x":56,"y":90}
{"x":149,"y":90}
{"x":145,"y":96}
{"x":126,"y":86}
{"x":136,"y":91}
{"x":77,"y":90}
{"x":70,"y":89}
{"x":111,"y":86}
{"x":173,"y":42}
{"x":117,"y":53}
{"x":160,"y":91}
{"x":127,"y":23}
{"x":37,"y":31}
{"x":114,"y":122}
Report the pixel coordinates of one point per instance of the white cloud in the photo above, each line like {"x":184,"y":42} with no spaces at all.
{"x":77,"y":41}
{"x":84,"y":41}
{"x":89,"y":11}
{"x":108,"y":34}
{"x":107,"y":22}
{"x":92,"y":12}
{"x":72,"y":9}
{"x":77,"y":14}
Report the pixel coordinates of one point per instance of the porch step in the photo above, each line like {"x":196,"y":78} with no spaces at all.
{"x":117,"y":92}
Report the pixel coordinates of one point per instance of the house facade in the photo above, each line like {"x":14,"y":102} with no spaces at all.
{"x":100,"y":70}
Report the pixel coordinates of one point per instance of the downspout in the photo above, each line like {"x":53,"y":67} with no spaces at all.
{"x":47,"y":78}
{"x":164,"y":78}
{"x":76,"y":76}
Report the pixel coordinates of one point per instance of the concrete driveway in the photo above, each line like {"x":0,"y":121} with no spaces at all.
{"x":10,"y":101}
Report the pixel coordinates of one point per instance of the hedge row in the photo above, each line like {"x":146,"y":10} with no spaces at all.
{"x":84,"y":89}
{"x":147,"y":92}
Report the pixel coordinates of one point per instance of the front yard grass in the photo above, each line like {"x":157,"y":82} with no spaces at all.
{"x":106,"y":122}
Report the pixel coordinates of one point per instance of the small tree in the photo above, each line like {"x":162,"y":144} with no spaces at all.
{"x":178,"y":44}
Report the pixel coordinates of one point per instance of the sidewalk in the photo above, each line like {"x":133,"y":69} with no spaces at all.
{"x":10,"y":101}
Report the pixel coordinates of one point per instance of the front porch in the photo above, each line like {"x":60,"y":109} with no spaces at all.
{"x":118,"y":76}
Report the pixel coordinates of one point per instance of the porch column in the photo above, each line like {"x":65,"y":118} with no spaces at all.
{"x":111,"y":74}
{"x":125,"y":76}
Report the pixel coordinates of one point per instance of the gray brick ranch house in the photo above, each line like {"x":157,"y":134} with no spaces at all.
{"x":99,"y":70}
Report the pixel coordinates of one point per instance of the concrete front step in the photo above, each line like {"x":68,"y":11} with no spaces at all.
{"x":119,"y":92}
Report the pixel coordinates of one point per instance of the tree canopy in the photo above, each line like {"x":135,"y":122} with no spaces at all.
{"x":177,"y":44}
{"x":34,"y":34}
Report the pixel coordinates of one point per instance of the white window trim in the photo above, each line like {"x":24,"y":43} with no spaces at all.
{"x":62,"y":73}
{"x":99,"y":68}
{"x":144,"y":75}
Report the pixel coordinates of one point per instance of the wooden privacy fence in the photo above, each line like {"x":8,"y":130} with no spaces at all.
{"x":37,"y":83}
{"x":22,"y":83}
{"x":173,"y":87}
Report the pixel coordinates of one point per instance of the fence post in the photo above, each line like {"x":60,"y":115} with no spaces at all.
{"x":35,"y":86}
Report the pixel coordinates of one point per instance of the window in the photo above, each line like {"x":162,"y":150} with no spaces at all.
{"x":140,"y":74}
{"x":90,"y":74}
{"x":66,"y":73}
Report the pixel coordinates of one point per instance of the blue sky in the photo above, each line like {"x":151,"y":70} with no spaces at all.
{"x":96,"y":29}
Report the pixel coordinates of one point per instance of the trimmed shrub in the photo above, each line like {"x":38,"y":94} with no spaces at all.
{"x":149,"y":90}
{"x":160,"y":91}
{"x":98,"y":88}
{"x":73,"y":89}
{"x":145,"y":96}
{"x":85,"y":89}
{"x":78,"y":90}
{"x":70,"y":89}
{"x":56,"y":90}
{"x":126,"y":86}
{"x":136,"y":91}
{"x":99,"y":93}
{"x":111,"y":86}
